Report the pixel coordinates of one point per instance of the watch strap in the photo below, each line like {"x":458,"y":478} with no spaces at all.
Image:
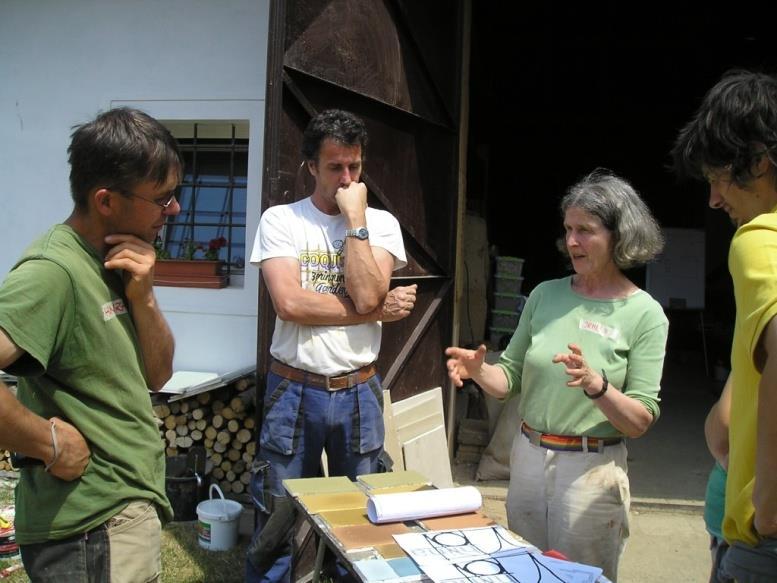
{"x":601,"y":393}
{"x":358,"y":232}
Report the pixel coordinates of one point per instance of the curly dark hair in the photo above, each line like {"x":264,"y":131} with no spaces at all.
{"x":733,"y":128}
{"x":341,"y":126}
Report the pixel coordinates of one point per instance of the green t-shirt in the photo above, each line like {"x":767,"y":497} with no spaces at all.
{"x":82,"y":364}
{"x":625,"y":337}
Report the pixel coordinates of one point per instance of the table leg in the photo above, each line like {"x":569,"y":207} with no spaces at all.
{"x":319,"y":560}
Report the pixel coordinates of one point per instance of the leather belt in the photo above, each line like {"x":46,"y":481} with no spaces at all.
{"x":334,"y":383}
{"x":568,"y":442}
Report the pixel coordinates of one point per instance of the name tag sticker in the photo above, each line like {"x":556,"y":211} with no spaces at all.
{"x":599,"y":328}
{"x":113,"y":309}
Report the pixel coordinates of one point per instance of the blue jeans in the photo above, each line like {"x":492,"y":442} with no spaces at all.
{"x":299,"y":423}
{"x":718,"y":548}
{"x":750,"y":564}
{"x":83,"y":558}
{"x":124,"y":548}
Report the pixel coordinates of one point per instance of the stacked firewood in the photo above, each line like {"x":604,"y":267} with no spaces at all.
{"x":5,"y":455}
{"x":472,"y":440}
{"x":222,"y":422}
{"x":5,"y":461}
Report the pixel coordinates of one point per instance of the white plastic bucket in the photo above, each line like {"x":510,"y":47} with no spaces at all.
{"x":217,"y":521}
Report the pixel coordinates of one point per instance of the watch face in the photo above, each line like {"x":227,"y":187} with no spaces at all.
{"x":360,"y":233}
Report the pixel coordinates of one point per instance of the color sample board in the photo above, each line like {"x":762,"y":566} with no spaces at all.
{"x":402,"y":570}
{"x":390,"y":479}
{"x":397,"y":489}
{"x":299,"y":486}
{"x":469,"y":520}
{"x":390,"y":550}
{"x":316,"y":503}
{"x":349,"y":517}
{"x":368,"y":535}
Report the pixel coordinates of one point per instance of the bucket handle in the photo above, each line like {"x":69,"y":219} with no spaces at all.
{"x":223,"y":499}
{"x":210,"y":492}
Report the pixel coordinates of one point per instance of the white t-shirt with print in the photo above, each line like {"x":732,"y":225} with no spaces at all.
{"x":315,"y":239}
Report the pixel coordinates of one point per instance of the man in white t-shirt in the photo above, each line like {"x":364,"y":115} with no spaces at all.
{"x":327,"y":262}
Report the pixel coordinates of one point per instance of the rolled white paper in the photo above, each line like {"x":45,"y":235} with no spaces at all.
{"x":422,"y":504}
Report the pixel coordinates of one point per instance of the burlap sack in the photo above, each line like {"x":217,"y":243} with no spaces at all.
{"x":495,"y":463}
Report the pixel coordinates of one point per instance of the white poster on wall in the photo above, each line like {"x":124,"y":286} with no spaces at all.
{"x":676,"y":278}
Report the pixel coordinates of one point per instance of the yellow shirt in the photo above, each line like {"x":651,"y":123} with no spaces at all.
{"x":753,"y":265}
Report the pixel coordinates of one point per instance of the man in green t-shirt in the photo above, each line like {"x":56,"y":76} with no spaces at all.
{"x":732,"y":143}
{"x":81,"y":328}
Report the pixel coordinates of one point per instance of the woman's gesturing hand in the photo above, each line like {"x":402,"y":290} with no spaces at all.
{"x":582,"y":375}
{"x":464,"y":363}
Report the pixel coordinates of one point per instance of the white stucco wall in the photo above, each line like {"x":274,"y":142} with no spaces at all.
{"x":63,"y":62}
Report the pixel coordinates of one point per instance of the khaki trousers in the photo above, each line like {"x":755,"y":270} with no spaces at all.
{"x":573,"y":502}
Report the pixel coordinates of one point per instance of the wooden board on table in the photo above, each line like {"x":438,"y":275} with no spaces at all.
{"x":392,"y":479}
{"x":368,"y":535}
{"x":299,"y":486}
{"x":457,"y":521}
{"x":429,"y":452}
{"x":347,"y":517}
{"x":391,"y":443}
{"x":316,"y":503}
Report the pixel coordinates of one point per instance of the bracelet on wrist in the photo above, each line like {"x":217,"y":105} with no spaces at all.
{"x":602,"y":392}
{"x":54,"y":444}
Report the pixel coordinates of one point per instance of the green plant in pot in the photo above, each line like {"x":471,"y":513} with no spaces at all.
{"x":161,"y":252}
{"x":197,"y":266}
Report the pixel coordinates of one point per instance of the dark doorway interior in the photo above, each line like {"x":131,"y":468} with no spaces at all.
{"x":558,"y":90}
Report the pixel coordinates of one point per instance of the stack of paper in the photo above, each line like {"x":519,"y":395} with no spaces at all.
{"x":423,"y":504}
{"x":474,"y":554}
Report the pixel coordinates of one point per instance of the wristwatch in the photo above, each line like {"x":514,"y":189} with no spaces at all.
{"x":360,"y":233}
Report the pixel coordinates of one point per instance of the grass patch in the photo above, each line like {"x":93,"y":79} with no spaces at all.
{"x":6,"y":499}
{"x":183,"y":559}
{"x":6,"y":491}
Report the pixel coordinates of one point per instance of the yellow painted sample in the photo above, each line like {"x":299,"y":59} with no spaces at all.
{"x":398,"y":489}
{"x":390,"y":551}
{"x":315,"y":503}
{"x":300,"y":486}
{"x":349,"y":517}
{"x":391,"y":479}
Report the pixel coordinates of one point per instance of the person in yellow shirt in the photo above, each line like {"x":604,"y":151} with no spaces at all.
{"x":731,"y":142}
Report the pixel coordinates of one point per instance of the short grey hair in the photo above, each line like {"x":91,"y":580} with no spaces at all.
{"x":636,"y":234}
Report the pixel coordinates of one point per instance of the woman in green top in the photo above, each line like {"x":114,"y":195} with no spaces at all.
{"x":586,"y":358}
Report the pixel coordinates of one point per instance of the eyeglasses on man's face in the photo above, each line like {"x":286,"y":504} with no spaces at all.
{"x":163,"y":202}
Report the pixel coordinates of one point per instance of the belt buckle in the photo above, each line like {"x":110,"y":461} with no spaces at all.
{"x":326,"y":383}
{"x":589,"y":448}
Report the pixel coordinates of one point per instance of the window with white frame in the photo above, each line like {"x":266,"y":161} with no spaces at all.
{"x":212,"y":194}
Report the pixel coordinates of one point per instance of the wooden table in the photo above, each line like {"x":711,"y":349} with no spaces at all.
{"x":335,"y":508}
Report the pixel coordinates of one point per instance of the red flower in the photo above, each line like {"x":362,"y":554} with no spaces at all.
{"x":214,"y":245}
{"x":217,"y":243}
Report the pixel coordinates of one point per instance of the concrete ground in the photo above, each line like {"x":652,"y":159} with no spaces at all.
{"x":668,"y":470}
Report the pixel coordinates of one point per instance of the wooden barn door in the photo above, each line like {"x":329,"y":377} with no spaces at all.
{"x":396,"y":64}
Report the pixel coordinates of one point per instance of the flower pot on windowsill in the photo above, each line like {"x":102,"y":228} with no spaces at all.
{"x":190,"y":273}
